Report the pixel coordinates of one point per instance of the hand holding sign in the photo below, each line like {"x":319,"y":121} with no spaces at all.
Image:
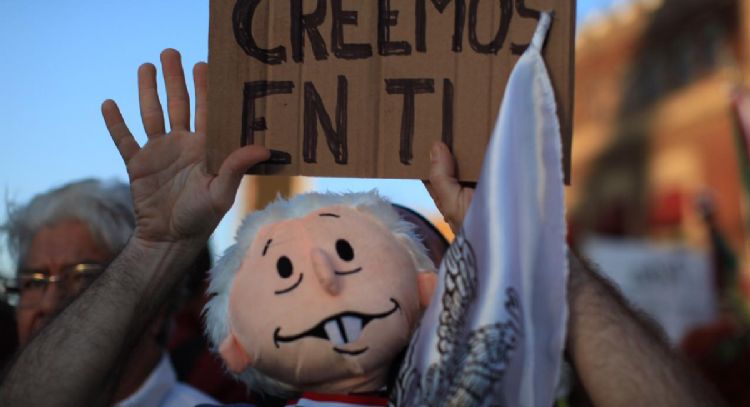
{"x":451,"y":197}
{"x":174,"y":197}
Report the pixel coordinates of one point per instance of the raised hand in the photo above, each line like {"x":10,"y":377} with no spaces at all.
{"x":174,"y":196}
{"x":451,"y":197}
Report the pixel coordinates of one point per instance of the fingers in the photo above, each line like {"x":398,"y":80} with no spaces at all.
{"x":151,"y":111}
{"x":443,"y":185}
{"x":224,"y":186}
{"x":124,"y":141}
{"x":200,"y":79}
{"x":178,"y":100}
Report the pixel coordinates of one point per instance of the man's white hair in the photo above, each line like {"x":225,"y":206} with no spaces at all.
{"x":104,"y":207}
{"x":222,"y":275}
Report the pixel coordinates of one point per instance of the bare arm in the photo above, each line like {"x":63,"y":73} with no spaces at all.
{"x":620,"y":359}
{"x":75,"y":359}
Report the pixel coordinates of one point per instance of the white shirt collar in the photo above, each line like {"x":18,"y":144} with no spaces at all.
{"x":156,"y":387}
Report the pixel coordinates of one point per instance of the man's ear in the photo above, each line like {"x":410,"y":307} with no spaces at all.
{"x":427,"y":281}
{"x":234,"y":353}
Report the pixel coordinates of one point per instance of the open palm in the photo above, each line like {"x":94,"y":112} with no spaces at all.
{"x":174,"y":196}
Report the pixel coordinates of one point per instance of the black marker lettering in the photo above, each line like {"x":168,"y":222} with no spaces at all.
{"x":440,"y":5}
{"x":340,"y":48}
{"x":242,"y":22}
{"x":309,"y":23}
{"x":448,"y":113}
{"x":388,"y":18}
{"x":506,"y":13}
{"x":256,"y":90}
{"x":408,"y":88}
{"x":314,"y":111}
{"x":525,"y":12}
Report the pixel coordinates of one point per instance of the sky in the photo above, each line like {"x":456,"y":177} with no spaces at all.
{"x":60,"y":60}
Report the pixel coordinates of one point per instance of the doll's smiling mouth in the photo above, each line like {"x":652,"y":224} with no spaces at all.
{"x":340,"y":329}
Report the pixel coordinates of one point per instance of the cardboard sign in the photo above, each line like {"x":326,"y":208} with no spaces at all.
{"x":362,"y":88}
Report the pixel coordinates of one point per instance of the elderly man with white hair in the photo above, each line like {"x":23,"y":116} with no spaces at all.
{"x":62,"y":241}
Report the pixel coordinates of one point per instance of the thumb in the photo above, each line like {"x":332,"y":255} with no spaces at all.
{"x":444,"y":186}
{"x":224,"y":186}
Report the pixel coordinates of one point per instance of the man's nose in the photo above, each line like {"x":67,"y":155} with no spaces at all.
{"x":52,"y":298}
{"x":324,"y":271}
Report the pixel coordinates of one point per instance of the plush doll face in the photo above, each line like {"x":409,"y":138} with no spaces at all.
{"x":324,"y":302}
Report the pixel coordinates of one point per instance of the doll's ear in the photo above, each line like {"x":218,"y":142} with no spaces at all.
{"x":234,"y":354}
{"x":427,"y":281}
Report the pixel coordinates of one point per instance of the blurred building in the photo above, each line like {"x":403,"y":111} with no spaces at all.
{"x":654,"y":123}
{"x":654,"y":134}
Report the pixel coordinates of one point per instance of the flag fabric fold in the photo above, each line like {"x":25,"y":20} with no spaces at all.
{"x":495,"y":329}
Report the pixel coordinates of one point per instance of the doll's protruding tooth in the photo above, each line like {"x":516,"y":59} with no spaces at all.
{"x":334,"y":333}
{"x":352,"y":327}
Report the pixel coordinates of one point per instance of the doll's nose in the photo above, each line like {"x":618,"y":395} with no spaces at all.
{"x":325,"y":272}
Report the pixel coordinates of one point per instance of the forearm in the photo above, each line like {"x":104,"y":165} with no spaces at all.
{"x":622,"y":361}
{"x":76,"y":356}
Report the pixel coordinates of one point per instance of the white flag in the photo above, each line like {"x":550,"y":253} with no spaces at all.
{"x":494,"y":332}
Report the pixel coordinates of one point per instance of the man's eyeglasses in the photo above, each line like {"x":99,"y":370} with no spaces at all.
{"x":31,"y":285}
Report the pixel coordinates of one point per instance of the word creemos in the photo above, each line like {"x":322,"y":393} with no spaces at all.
{"x":308,"y":26}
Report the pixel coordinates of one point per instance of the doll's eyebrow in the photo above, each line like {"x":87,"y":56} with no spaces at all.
{"x":265,"y":248}
{"x":332,"y":215}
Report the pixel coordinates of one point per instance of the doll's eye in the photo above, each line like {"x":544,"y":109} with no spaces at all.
{"x":284,"y":267}
{"x":344,"y":250}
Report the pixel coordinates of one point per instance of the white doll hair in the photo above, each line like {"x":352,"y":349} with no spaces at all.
{"x":223,"y":273}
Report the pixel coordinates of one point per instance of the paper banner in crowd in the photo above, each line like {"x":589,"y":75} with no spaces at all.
{"x":673,"y":284}
{"x":494,"y":332}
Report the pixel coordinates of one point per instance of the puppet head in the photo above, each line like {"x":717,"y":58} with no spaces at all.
{"x":319,"y":293}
